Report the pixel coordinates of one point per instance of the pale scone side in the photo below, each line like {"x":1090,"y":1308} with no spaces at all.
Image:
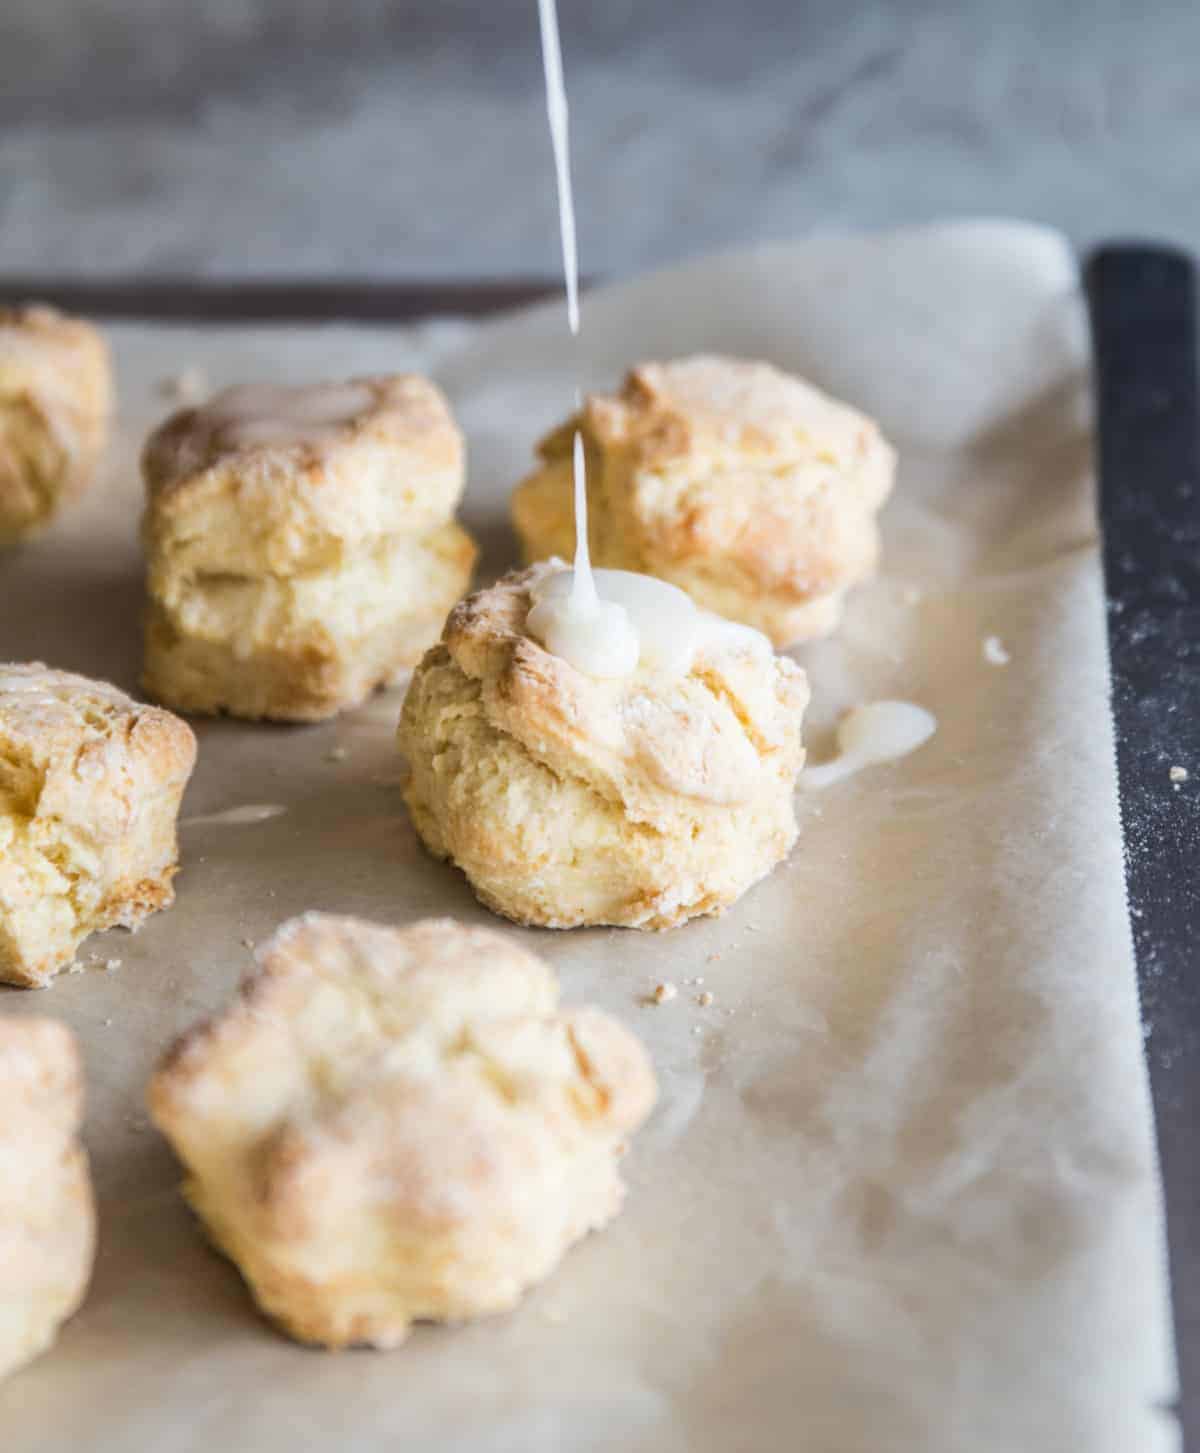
{"x":55,"y":400}
{"x":47,"y":1215}
{"x":90,"y":787}
{"x":289,"y":578}
{"x":568,"y":800}
{"x":392,"y":1125}
{"x":746,"y":487}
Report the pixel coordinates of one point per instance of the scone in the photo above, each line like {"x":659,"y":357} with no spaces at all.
{"x":569,"y":800}
{"x":47,"y":1219}
{"x":301,"y":546}
{"x":55,"y":400}
{"x":90,"y":785}
{"x":746,"y":487}
{"x":393,"y":1125}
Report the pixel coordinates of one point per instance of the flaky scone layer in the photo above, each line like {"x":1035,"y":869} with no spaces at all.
{"x":745,"y":486}
{"x":55,"y":401}
{"x":302,"y":647}
{"x":568,"y":800}
{"x":90,"y":786}
{"x":47,"y":1216}
{"x":391,"y":1125}
{"x":218,"y":503}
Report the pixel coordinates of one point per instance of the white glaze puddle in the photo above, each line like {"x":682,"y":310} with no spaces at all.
{"x":262,"y":413}
{"x":237,"y":816}
{"x":879,"y":731}
{"x":637,"y":621}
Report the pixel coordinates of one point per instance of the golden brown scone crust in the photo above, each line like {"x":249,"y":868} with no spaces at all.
{"x":568,"y":800}
{"x":55,"y":400}
{"x":47,"y":1216}
{"x":391,"y":1125}
{"x":741,"y":484}
{"x":90,"y":786}
{"x":289,"y":578}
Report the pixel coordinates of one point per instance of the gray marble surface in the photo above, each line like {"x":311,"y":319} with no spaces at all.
{"x":395,"y":139}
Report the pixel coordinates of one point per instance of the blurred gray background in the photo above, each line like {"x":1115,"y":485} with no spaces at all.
{"x":387,"y":138}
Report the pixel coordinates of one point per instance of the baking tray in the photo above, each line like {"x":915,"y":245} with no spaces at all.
{"x":1143,"y":317}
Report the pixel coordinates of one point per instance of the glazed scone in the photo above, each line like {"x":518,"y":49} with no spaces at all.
{"x":301,"y":547}
{"x":90,"y":785}
{"x":393,"y":1125}
{"x":743,"y":485}
{"x":47,"y":1217}
{"x":55,"y":401}
{"x":569,"y":800}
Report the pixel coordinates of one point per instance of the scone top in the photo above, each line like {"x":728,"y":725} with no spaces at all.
{"x":58,"y":366}
{"x":283,"y":479}
{"x":56,"y":393}
{"x":81,"y":751}
{"x":747,"y":487}
{"x":723,"y":731}
{"x":338,"y":1005}
{"x":43,"y":1082}
{"x":725,"y":411}
{"x":34,"y":331}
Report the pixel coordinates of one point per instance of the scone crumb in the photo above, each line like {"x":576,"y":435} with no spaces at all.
{"x":75,"y":967}
{"x":1179,"y":774}
{"x":336,"y":754}
{"x":247,"y":943}
{"x":189,"y":386}
{"x":705,"y":999}
{"x":108,"y":1024}
{"x":664,"y":993}
{"x":111,"y":964}
{"x":995,"y":653}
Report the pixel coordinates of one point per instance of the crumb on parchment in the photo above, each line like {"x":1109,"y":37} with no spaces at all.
{"x":664,"y":993}
{"x":188,"y":386}
{"x":995,"y":652}
{"x":1179,"y":774}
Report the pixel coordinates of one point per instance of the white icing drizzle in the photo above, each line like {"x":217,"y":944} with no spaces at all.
{"x":879,"y":731}
{"x":556,"y":111}
{"x":607,"y":623}
{"x":596,"y":636}
{"x":578,"y":622}
{"x":237,"y":816}
{"x":264,"y":413}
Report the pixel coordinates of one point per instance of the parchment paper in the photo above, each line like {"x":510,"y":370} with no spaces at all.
{"x":900,"y":1192}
